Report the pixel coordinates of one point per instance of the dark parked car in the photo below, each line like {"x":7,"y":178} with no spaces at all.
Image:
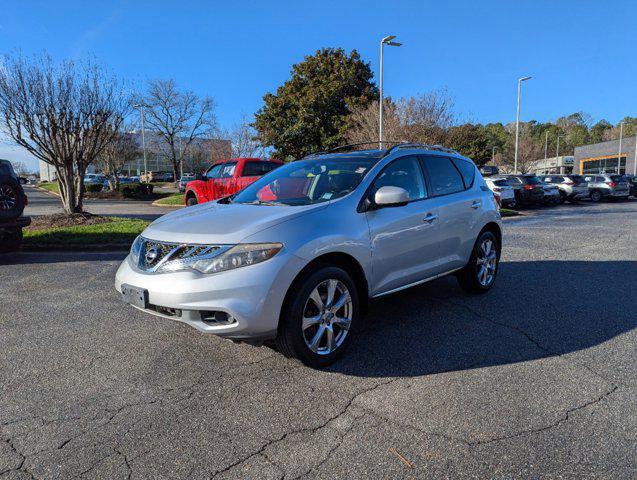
{"x":489,"y":170}
{"x":632,"y":184}
{"x":528,"y":189}
{"x":12,"y":203}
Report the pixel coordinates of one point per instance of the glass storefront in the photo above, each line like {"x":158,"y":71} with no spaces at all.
{"x":604,"y":165}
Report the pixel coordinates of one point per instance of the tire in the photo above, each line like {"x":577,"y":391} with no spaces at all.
{"x":12,"y":198}
{"x":596,"y":196}
{"x":472,"y":278}
{"x":10,"y":239}
{"x":562,"y":197}
{"x":191,"y":200}
{"x":311,"y":344}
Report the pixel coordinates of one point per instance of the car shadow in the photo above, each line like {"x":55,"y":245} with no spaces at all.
{"x":535,"y":310}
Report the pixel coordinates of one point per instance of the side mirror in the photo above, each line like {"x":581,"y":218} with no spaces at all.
{"x":389,"y":196}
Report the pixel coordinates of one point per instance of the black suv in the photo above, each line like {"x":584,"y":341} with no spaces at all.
{"x":527,"y":188}
{"x":12,"y":203}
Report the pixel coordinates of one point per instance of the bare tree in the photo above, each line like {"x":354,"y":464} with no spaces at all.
{"x":121,"y":150}
{"x":423,"y":118}
{"x":178,"y":118}
{"x":530,"y":150}
{"x":62,"y":114}
{"x":20,"y":168}
{"x":364,"y":122}
{"x":244,"y":140}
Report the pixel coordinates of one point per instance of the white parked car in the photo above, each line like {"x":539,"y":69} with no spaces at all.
{"x":501,"y":189}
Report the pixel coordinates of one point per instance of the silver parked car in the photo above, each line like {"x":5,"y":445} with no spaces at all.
{"x":571,"y":187}
{"x":606,"y":185}
{"x":296,"y":255}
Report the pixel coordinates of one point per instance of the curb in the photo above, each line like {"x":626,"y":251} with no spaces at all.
{"x":48,"y":191}
{"x":43,"y":247}
{"x":155,"y":204}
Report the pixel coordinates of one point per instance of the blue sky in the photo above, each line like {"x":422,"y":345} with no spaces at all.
{"x":582,"y":54}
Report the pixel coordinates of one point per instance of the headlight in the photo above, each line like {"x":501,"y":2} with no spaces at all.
{"x":135,"y":248}
{"x":223,"y":259}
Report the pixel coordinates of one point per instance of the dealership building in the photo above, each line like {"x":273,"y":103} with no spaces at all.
{"x":602,"y":157}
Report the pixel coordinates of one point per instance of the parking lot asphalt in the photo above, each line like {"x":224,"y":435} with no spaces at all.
{"x":46,"y":203}
{"x":537,"y":378}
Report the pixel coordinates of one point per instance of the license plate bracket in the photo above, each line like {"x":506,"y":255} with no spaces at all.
{"x":135,"y":296}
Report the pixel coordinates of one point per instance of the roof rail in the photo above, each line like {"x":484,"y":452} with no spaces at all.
{"x":421,"y":145}
{"x":350,"y":146}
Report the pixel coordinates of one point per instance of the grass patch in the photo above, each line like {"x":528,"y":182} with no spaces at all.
{"x":507,"y":212}
{"x":111,"y":231}
{"x":50,"y":186}
{"x":176,"y":199}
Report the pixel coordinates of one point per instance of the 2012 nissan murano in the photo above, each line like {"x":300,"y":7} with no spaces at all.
{"x":295,"y":256}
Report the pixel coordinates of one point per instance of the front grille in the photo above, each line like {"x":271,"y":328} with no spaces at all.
{"x":153,"y":253}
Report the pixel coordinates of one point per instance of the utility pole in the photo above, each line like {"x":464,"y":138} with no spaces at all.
{"x":619,"y":152}
{"x":385,"y":41}
{"x":517,"y":124}
{"x":141,"y":109}
{"x":546,"y":149}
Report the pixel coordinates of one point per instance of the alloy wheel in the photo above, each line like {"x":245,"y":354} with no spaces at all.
{"x":327,"y":316}
{"x":487,"y":262}
{"x":7,"y":197}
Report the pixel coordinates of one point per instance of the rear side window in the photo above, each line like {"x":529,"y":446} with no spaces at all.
{"x":532,"y":180}
{"x":501,"y":183}
{"x":617,"y":178}
{"x":513,"y":181}
{"x":256,"y":169}
{"x":467,"y":170}
{"x":443,"y":176}
{"x":228,"y":170}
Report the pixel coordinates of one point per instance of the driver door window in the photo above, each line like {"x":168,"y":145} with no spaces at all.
{"x":214,"y":171}
{"x":404,"y":173}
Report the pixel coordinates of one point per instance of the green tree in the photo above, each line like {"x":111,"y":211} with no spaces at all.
{"x":471,"y":140}
{"x":311,"y":111}
{"x":598,"y":131}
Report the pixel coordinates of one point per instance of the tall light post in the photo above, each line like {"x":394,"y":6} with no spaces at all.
{"x":517,"y":124}
{"x":385,"y":41}
{"x":557,"y":149}
{"x":141,"y":109}
{"x":546,"y":149}
{"x":635,"y":165}
{"x":619,"y":151}
{"x":493,"y":153}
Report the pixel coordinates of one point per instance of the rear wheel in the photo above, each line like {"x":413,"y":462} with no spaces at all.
{"x":478,"y":276}
{"x":596,"y":195}
{"x":316,"y":324}
{"x":11,"y":198}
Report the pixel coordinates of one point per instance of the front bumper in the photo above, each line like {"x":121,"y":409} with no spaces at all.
{"x":251,"y":295}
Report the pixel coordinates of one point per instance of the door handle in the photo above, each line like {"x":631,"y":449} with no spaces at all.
{"x":476,"y":204}
{"x":430,"y":217}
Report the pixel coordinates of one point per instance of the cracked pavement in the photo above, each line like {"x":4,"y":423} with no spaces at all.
{"x":538,"y":378}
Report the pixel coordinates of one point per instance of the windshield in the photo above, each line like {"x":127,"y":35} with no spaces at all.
{"x":306,"y":182}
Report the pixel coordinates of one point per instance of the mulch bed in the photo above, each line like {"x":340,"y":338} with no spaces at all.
{"x":64,"y":220}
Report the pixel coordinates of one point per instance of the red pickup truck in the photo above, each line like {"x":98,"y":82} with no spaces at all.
{"x":226,"y":177}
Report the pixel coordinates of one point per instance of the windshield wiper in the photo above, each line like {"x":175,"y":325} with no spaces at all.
{"x":262,"y":202}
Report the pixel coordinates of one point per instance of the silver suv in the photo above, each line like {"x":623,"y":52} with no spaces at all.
{"x":572,"y":187}
{"x":296,"y":255}
{"x":606,"y":185}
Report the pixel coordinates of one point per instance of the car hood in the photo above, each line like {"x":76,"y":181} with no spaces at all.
{"x":217,"y":223}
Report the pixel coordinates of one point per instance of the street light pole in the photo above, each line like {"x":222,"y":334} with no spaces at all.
{"x":141,"y":109}
{"x":493,"y":154}
{"x":557,"y":150}
{"x":619,"y":152}
{"x":635,"y":165}
{"x":385,"y":41}
{"x":517,"y":125}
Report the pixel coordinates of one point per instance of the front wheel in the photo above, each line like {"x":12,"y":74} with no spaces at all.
{"x":478,"y":276}
{"x":596,"y":195}
{"x":191,"y":200}
{"x":316,"y":324}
